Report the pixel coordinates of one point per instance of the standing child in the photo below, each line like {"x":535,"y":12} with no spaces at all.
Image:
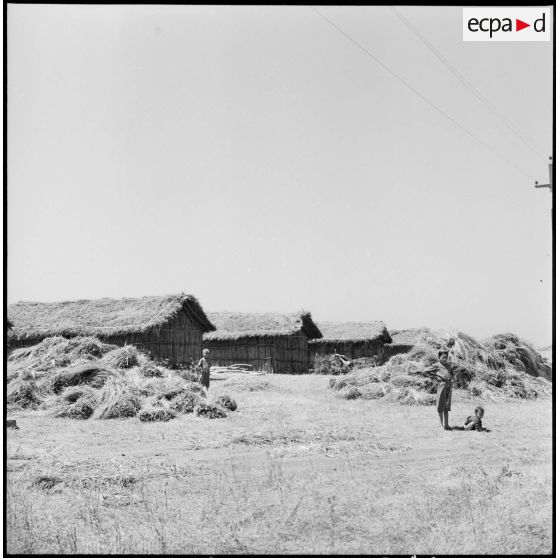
{"x":443,"y":372}
{"x":205,"y":366}
{"x":475,"y":422}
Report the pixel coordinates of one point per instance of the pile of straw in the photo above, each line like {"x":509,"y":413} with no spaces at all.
{"x":117,"y":399}
{"x":91,"y":374}
{"x":155,"y":413}
{"x":77,"y":402}
{"x":123,"y":357}
{"x":84,"y":379}
{"x":500,"y":367}
{"x":209,"y":410}
{"x":23,"y":394}
{"x":185,"y":402}
{"x":226,"y":402}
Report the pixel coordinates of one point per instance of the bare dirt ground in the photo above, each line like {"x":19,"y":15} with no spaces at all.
{"x":293,"y":470}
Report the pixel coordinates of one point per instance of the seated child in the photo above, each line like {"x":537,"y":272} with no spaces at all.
{"x":475,"y":422}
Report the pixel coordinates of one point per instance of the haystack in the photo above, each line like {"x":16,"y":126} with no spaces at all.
{"x":495,"y":368}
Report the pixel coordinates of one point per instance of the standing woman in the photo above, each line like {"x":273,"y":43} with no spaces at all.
{"x":443,"y":372}
{"x":205,"y":366}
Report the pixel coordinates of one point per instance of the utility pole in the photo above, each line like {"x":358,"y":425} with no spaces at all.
{"x":550,"y":187}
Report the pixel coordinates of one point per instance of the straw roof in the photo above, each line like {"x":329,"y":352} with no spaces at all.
{"x":353,"y":331}
{"x":105,"y":316}
{"x":410,"y":336}
{"x":235,"y":325}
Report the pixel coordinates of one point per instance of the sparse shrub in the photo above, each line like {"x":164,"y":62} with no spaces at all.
{"x":209,"y":410}
{"x":226,"y":401}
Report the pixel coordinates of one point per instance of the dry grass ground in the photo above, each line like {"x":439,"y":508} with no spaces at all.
{"x":293,"y":470}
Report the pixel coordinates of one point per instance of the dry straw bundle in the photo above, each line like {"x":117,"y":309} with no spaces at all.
{"x":209,"y":410}
{"x":83,"y":378}
{"x":226,"y":402}
{"x":502,"y":366}
{"x":117,"y":399}
{"x":77,"y":402}
{"x":123,"y":357}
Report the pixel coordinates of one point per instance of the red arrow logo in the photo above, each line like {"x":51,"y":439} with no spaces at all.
{"x":519,"y":25}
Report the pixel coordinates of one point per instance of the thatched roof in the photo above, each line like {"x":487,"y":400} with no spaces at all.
{"x":353,"y":331}
{"x":410,"y":336}
{"x":105,"y":316}
{"x":234,"y":325}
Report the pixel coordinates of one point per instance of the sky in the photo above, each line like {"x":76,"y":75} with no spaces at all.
{"x":257,"y":158}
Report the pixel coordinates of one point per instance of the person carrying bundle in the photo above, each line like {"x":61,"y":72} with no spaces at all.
{"x":205,"y":365}
{"x":442,"y":371}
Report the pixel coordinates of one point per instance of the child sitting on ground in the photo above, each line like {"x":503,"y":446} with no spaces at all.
{"x":475,"y":422}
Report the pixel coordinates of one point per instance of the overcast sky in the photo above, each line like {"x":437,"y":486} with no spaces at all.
{"x":258,"y":159}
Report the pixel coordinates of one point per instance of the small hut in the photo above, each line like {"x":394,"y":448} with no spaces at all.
{"x":274,"y":343}
{"x":169,"y":327}
{"x":352,"y":339}
{"x":404,"y":340}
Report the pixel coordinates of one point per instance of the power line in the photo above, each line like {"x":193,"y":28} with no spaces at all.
{"x":418,"y":93}
{"x":508,"y":123}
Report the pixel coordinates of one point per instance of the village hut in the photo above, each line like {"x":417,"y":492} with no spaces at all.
{"x":168,"y":327}
{"x":274,"y":343}
{"x":404,"y":340}
{"x":351,"y":339}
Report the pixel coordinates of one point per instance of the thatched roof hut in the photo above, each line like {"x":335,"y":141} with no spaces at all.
{"x":352,"y":339}
{"x":168,"y":326}
{"x":268,"y":341}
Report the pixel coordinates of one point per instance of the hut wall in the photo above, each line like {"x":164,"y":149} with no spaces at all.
{"x":281,"y":354}
{"x":351,"y":349}
{"x":179,"y":340}
{"x":256,"y":351}
{"x":291,"y":354}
